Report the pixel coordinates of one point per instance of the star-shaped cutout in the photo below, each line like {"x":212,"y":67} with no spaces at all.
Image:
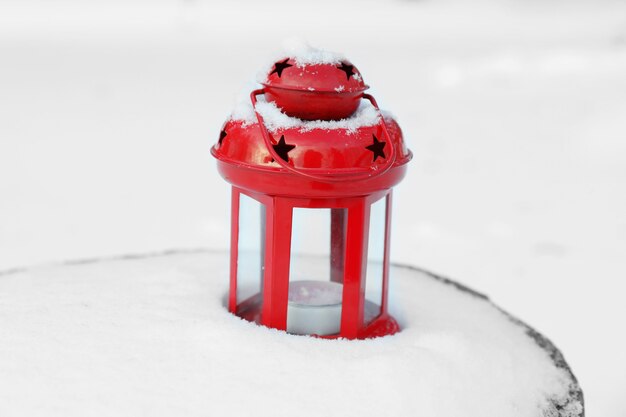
{"x":280,"y":66}
{"x":282,"y":148}
{"x":377,"y":148}
{"x":348,"y":69}
{"x":223,"y":134}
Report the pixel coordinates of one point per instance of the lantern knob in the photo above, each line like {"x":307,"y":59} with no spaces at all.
{"x":321,"y":89}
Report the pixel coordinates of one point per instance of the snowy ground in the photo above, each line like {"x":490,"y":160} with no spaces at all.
{"x":150,"y":336}
{"x":515,"y":111}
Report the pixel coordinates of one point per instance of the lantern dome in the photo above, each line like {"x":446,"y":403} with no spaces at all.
{"x":328,"y":89}
{"x":288,"y":156}
{"x":311,"y":129}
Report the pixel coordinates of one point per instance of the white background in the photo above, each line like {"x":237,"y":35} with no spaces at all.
{"x":515,"y":111}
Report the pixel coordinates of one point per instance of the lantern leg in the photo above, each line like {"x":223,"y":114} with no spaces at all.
{"x":337,"y":243}
{"x":355,"y":267}
{"x":263,"y":215}
{"x":385,"y":295}
{"x":277,"y":259}
{"x":234,"y":249}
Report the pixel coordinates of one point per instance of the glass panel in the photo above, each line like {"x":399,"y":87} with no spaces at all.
{"x":250,"y":247}
{"x":375,"y":257}
{"x":310,"y":245}
{"x":316,"y":271}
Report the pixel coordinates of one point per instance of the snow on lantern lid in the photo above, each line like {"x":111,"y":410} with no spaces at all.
{"x":314,"y":85}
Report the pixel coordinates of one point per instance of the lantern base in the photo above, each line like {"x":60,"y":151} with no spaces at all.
{"x":379,"y":324}
{"x":150,"y":335}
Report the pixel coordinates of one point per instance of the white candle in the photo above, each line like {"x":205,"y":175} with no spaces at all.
{"x":314,"y":307}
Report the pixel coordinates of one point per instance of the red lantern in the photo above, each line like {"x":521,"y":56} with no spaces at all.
{"x":332,"y":176}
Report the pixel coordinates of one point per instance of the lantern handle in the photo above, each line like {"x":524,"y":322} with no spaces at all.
{"x":330,"y":175}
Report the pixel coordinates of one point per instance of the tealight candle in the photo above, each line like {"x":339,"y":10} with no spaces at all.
{"x":314,"y":307}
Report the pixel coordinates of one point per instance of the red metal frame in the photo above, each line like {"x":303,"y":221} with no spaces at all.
{"x":270,"y":307}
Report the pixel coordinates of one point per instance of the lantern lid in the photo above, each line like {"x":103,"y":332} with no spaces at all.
{"x":334,"y":77}
{"x":312,"y":84}
{"x":323,"y":140}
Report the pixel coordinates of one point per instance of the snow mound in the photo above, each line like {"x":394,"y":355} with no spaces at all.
{"x":275,"y":119}
{"x":150,"y":336}
{"x":303,"y":54}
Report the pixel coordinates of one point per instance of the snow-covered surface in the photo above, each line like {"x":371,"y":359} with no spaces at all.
{"x":151,"y":336}
{"x":275,"y":120}
{"x":305,"y":54}
{"x":302,"y":53}
{"x":514,"y":111}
